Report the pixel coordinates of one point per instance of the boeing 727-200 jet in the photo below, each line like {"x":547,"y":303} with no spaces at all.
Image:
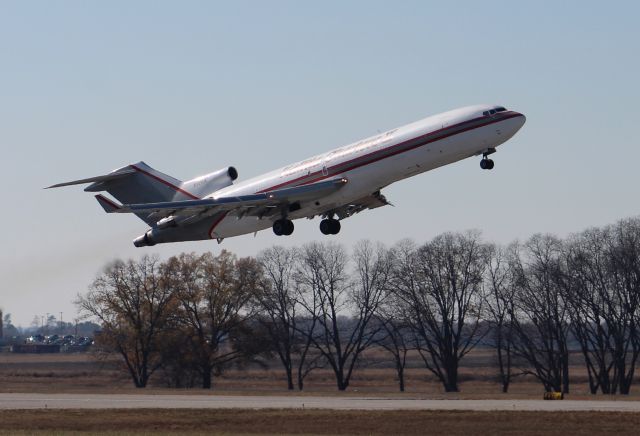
{"x":333,"y":185}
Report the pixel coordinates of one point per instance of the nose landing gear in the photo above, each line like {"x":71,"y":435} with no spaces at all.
{"x":330,"y":226}
{"x":283,"y":227}
{"x":486,"y":163}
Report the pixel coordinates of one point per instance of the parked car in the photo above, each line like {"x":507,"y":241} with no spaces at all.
{"x":51,"y":339}
{"x":35,"y":339}
{"x":68,"y":339}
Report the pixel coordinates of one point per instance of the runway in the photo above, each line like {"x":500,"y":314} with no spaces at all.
{"x":161,"y":401}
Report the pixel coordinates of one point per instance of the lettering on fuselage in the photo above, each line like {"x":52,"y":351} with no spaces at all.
{"x":347,"y":150}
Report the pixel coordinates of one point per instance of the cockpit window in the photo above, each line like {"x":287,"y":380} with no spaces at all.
{"x":494,"y":111}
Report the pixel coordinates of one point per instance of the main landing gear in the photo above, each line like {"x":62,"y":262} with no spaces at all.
{"x":283,"y":227}
{"x":486,"y":163}
{"x":330,"y":226}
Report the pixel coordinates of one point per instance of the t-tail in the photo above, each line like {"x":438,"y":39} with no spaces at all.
{"x":139,"y":183}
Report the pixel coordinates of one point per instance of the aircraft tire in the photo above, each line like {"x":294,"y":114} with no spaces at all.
{"x":278,"y":227}
{"x":483,"y":164}
{"x":335,"y":227}
{"x":490,"y":164}
{"x":325,"y":227}
{"x":288,"y":228}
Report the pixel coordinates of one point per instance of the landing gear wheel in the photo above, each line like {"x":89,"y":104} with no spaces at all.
{"x":335,"y":227}
{"x":278,"y":227}
{"x":486,"y":164}
{"x":330,"y":226}
{"x":325,"y":227}
{"x":288,"y":227}
{"x":283,"y":227}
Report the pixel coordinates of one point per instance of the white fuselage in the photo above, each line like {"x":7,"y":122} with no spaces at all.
{"x":375,"y":162}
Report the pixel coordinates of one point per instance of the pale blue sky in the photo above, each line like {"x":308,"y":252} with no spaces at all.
{"x":191,"y":87}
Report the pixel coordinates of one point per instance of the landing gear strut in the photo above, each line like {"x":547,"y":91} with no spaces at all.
{"x":486,"y":163}
{"x":330,"y":226}
{"x":283,"y":227}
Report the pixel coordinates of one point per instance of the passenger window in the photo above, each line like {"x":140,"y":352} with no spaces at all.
{"x":492,"y":111}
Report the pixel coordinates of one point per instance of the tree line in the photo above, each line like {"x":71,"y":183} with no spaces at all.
{"x":319,"y":306}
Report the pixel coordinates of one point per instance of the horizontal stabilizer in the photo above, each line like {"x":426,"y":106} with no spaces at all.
{"x":108,"y":205}
{"x":105,"y":178}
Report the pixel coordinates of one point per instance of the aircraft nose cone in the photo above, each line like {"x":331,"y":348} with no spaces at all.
{"x":521,"y":119}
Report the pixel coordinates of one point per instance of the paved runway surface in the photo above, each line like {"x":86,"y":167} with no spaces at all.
{"x":124,"y":401}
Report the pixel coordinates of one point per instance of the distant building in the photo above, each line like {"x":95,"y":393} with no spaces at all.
{"x":1,"y":324}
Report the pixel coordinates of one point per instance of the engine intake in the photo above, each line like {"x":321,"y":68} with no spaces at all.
{"x":209,"y":183}
{"x":232,"y":172}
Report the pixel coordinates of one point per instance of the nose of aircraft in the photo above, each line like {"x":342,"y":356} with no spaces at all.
{"x":515,"y":123}
{"x":521,"y":119}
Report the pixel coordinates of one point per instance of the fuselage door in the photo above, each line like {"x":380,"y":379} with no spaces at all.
{"x":326,"y":161}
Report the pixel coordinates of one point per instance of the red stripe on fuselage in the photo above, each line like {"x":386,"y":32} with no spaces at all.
{"x":382,"y":152}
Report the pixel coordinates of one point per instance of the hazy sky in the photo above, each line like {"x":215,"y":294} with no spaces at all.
{"x":190,"y":87}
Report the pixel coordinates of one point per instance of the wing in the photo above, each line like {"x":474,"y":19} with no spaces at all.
{"x":253,"y":204}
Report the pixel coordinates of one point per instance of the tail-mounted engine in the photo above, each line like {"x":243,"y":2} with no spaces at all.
{"x":204,"y":185}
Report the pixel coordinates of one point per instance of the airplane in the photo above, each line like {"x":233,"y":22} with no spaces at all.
{"x":334,"y":185}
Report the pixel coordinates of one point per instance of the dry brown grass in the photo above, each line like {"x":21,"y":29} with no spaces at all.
{"x":80,"y":373}
{"x":317,"y":422}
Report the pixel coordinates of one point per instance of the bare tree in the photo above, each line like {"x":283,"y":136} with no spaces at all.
{"x":540,"y":318}
{"x":395,"y":339}
{"x":9,"y":329}
{"x":214,"y":293}
{"x":625,"y":278}
{"x":592,"y":309}
{"x":179,"y":367}
{"x":277,"y":303}
{"x":441,"y":285}
{"x":132,"y":301}
{"x":309,"y":359}
{"x":499,"y":299}
{"x":330,"y":296}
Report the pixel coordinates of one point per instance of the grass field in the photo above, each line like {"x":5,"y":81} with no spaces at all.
{"x":313,"y":422}
{"x":80,"y":373}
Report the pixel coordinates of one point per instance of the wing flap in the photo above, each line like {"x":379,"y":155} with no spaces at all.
{"x":372,"y":201}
